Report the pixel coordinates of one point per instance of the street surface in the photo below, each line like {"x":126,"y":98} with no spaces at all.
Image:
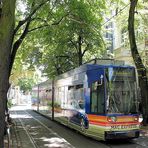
{"x":36,"y":131}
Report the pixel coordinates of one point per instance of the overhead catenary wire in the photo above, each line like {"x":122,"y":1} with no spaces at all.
{"x":115,"y":14}
{"x":93,"y":27}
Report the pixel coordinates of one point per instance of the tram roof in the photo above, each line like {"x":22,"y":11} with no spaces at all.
{"x":83,"y":68}
{"x":87,"y":67}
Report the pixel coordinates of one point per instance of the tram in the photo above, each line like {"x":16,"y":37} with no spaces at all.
{"x":99,"y":101}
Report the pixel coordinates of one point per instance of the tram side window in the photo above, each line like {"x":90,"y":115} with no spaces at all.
{"x":97,"y":98}
{"x":79,"y":95}
{"x":94,"y":99}
{"x":61,"y":96}
{"x":75,"y":96}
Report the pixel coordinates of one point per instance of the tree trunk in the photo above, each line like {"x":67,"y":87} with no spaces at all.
{"x":142,"y":77}
{"x":6,"y":37}
{"x":80,"y":50}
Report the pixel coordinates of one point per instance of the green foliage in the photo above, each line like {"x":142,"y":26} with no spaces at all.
{"x":141,"y":23}
{"x":56,"y":104}
{"x":64,"y":34}
{"x":26,"y":84}
{"x":73,"y":36}
{"x":9,"y":104}
{"x":61,"y":34}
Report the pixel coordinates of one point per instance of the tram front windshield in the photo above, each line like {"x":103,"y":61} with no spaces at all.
{"x":121,"y":90}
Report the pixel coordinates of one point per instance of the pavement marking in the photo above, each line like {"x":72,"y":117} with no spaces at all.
{"x":30,"y":138}
{"x":49,"y":129}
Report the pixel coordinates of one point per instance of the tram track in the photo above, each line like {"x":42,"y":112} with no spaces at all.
{"x":140,"y":144}
{"x":29,"y":136}
{"x":135,"y":145}
{"x":31,"y":123}
{"x":144,"y":146}
{"x":109,"y":145}
{"x":125,"y":143}
{"x":43,"y":127}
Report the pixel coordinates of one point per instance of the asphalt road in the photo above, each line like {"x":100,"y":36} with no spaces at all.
{"x":42,"y":132}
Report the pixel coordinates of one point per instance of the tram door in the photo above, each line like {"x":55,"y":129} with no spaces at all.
{"x":97,"y":95}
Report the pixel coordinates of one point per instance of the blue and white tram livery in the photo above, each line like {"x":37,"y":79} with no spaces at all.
{"x":98,"y":100}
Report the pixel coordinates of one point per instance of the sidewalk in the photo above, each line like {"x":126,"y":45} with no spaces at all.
{"x":18,"y":137}
{"x":29,"y":131}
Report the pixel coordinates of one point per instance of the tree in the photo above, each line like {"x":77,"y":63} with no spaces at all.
{"x":78,"y":33}
{"x":142,"y":75}
{"x":11,"y":38}
{"x":134,"y":28}
{"x":75,"y":40}
{"x":26,"y":84}
{"x":38,"y":15}
{"x":23,"y":77}
{"x":7,"y":15}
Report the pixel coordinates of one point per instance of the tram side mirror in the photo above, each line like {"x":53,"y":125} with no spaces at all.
{"x":99,"y":83}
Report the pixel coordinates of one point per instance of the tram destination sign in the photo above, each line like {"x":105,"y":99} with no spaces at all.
{"x":118,"y":74}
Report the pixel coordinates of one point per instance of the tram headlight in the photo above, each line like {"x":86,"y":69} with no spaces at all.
{"x":136,"y":118}
{"x":140,"y":118}
{"x":111,"y":119}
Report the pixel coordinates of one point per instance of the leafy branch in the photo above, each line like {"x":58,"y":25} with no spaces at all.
{"x":21,"y":23}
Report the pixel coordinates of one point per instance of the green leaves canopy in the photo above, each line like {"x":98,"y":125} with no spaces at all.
{"x":26,"y":84}
{"x":63,"y":34}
